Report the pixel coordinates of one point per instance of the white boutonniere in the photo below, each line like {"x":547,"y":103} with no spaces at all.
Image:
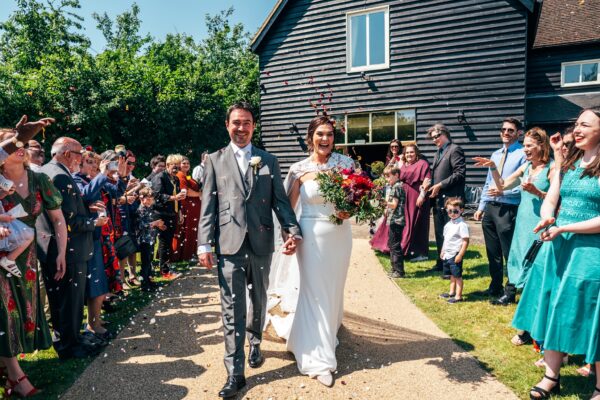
{"x":255,"y":163}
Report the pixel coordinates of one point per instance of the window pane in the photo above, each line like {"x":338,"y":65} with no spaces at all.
{"x":340,"y":129}
{"x":358,"y":128}
{"x":589,"y":72}
{"x":358,"y":40}
{"x":377,"y":38}
{"x":383,"y":127}
{"x":572,"y":73}
{"x":406,"y":125}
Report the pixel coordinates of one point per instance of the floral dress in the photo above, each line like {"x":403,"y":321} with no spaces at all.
{"x":23,"y":326}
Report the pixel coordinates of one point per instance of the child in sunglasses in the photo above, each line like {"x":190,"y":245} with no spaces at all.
{"x":20,"y":236}
{"x":456,"y":241}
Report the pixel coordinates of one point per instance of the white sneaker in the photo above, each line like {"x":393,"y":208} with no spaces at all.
{"x":419,"y":258}
{"x":10,"y":267}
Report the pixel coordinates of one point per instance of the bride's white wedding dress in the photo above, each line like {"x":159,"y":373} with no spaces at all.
{"x":317,"y":280}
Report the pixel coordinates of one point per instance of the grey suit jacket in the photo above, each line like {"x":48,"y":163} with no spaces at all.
{"x":229,"y":211}
{"x":80,"y":223}
{"x":450,"y":170}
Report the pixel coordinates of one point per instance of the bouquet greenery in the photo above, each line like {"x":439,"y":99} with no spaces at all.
{"x":352,"y":192}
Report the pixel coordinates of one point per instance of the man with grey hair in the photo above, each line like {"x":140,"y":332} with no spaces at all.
{"x":66,"y":296}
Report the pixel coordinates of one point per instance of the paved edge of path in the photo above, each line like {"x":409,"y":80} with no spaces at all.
{"x":173,"y":349}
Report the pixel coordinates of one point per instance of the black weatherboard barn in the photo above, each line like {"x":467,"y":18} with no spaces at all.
{"x":391,"y":69}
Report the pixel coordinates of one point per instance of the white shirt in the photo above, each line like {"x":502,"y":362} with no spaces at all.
{"x":454,"y":232}
{"x":242,"y":156}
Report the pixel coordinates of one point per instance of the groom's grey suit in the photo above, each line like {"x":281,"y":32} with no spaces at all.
{"x":236,"y":218}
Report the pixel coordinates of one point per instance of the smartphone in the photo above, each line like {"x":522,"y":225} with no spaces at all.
{"x":113,"y":166}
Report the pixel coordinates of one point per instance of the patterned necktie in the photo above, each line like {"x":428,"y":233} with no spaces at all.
{"x":175,"y":194}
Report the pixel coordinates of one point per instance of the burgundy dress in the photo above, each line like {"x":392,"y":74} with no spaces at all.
{"x":415,"y":237}
{"x":186,"y":236}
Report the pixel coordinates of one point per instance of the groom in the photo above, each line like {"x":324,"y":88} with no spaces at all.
{"x":242,"y":187}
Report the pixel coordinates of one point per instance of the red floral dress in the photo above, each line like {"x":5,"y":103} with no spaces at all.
{"x":186,"y":235}
{"x":23,"y":325}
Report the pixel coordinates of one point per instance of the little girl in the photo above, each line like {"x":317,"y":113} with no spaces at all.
{"x":20,"y":236}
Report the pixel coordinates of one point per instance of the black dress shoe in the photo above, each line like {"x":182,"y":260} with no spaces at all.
{"x":504,"y":300}
{"x":255,"y":358}
{"x":234,"y":384}
{"x":488,"y":293}
{"x":79,"y":351}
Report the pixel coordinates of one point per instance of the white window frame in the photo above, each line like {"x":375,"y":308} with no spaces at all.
{"x":566,"y":64}
{"x":370,"y":143}
{"x":386,"y":64}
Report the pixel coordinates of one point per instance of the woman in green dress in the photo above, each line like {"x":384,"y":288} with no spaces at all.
{"x":535,"y":177}
{"x":569,"y":320}
{"x":22,"y":322}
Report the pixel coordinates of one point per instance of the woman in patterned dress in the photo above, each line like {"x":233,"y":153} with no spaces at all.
{"x":23,"y":325}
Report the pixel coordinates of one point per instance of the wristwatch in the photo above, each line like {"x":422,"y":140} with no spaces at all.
{"x":18,"y":144}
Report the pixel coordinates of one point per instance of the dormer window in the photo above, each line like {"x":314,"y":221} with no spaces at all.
{"x":368,"y":40}
{"x":580,"y":73}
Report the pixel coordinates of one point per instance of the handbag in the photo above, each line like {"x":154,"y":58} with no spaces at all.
{"x":533,"y":251}
{"x":125,"y":246}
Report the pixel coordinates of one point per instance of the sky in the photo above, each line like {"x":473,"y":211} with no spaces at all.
{"x":160,"y":17}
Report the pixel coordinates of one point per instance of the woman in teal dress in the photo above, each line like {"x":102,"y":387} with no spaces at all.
{"x":534,"y":176}
{"x":567,"y":316}
{"x":22,"y":321}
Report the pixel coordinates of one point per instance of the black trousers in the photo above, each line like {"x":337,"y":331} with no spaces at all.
{"x":66,"y":298}
{"x":440,"y":219}
{"x":498,"y":228}
{"x":165,"y":242}
{"x":395,"y":245}
{"x":146,"y":255}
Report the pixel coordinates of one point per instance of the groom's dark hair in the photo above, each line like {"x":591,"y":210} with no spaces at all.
{"x":241,"y":105}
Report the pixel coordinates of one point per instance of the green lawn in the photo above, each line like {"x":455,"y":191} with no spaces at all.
{"x":53,"y":376}
{"x":483,"y":329}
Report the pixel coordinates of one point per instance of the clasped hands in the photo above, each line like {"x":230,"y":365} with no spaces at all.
{"x":550,"y":232}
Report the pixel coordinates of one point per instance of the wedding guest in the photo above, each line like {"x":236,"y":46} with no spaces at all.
{"x":145,"y":229}
{"x":456,"y":241}
{"x":567,"y":141}
{"x":560,"y":304}
{"x":448,"y":180}
{"x":127,"y":209}
{"x":498,"y":211}
{"x":199,"y":169}
{"x":67,"y":295}
{"x":395,"y":220}
{"x":535,"y":176}
{"x":22,"y":319}
{"x":168,"y":199}
{"x":394,"y":154}
{"x":414,"y":173}
{"x":158,"y":165}
{"x":91,"y":184}
{"x":185,"y":240}
{"x":36,"y":154}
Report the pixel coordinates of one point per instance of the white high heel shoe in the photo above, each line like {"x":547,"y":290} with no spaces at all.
{"x":326,"y":380}
{"x":10,"y":267}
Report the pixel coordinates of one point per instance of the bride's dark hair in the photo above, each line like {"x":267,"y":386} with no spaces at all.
{"x":312,"y":127}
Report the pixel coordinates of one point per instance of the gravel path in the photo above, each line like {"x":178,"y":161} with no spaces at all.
{"x":389,"y":350}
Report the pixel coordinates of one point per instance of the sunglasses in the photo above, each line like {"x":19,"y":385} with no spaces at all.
{"x":454,"y":212}
{"x":436,"y":136}
{"x":130,"y":162}
{"x":91,"y":162}
{"x":394,"y":147}
{"x":509,"y":130}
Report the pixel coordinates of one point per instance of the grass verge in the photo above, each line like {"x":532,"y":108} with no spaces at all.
{"x":482,"y":329}
{"x":54,"y":376}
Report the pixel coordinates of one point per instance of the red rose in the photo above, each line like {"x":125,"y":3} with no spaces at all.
{"x":11,"y":305}
{"x":29,"y":326}
{"x":30,"y":275}
{"x":8,"y":205}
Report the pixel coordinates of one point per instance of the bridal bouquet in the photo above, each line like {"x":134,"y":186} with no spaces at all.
{"x":352,"y":192}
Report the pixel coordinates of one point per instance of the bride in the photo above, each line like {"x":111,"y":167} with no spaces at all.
{"x":310,"y":285}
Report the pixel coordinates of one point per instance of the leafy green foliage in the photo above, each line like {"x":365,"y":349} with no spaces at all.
{"x":153,"y":96}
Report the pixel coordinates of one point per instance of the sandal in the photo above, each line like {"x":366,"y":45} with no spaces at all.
{"x":520,"y":340}
{"x":12,"y":385}
{"x":587,"y":370}
{"x":543,"y":393}
{"x":10,"y":267}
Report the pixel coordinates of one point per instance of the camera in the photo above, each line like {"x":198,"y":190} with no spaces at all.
{"x":113,"y":166}
{"x":122,"y":153}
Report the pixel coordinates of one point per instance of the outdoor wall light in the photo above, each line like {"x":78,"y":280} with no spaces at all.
{"x":460,"y":117}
